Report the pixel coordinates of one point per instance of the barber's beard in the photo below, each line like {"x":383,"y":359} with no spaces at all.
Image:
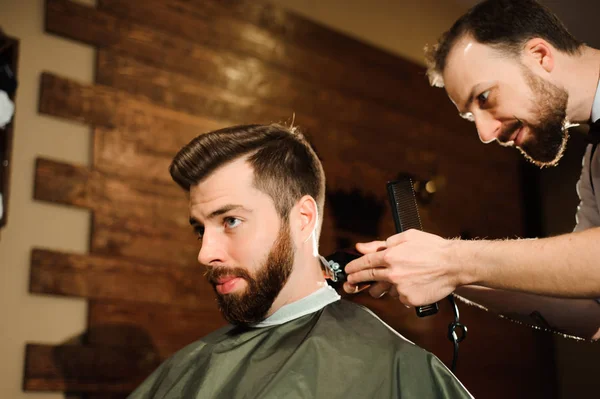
{"x":252,"y":305}
{"x":547,"y":139}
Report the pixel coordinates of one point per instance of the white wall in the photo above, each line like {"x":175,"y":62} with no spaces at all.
{"x":25,"y":317}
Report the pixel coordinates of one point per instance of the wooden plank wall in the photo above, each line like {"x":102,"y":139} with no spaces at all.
{"x":168,"y":70}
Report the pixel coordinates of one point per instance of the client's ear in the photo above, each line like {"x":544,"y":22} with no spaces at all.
{"x":306,"y":217}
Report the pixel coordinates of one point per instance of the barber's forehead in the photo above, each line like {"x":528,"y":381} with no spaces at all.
{"x":471,"y":64}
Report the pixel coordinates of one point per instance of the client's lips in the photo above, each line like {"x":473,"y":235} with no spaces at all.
{"x":227,"y":284}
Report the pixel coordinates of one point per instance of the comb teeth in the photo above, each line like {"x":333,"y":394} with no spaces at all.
{"x":404,"y":205}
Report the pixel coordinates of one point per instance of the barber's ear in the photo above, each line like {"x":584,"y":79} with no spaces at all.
{"x":540,"y":53}
{"x":307,"y":216}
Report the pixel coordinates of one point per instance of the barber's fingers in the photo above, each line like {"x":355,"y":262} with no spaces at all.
{"x":369,"y":247}
{"x":355,"y":288}
{"x":368,"y":261}
{"x":367,"y":275}
{"x":379,"y":289}
{"x":403,"y":237}
{"x":392,"y":241}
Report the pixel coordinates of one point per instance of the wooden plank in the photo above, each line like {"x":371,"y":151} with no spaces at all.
{"x":62,"y":183}
{"x":76,"y":368}
{"x":99,"y":277}
{"x":123,"y":153}
{"x":242,"y":75}
{"x":78,"y":186}
{"x":167,"y":328}
{"x":183,"y":93}
{"x":152,"y":242}
{"x":211,"y":24}
{"x":295,"y":29}
{"x":104,"y":106}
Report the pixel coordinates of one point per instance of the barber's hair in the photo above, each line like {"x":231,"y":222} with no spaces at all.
{"x":505,"y":25}
{"x":286,"y":167}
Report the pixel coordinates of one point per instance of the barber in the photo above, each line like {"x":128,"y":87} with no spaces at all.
{"x":512,"y":68}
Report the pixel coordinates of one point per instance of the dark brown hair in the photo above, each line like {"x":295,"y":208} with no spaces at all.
{"x":285,"y":165}
{"x":505,"y":25}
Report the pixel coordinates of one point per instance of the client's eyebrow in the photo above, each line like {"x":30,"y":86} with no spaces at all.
{"x":224,"y":209}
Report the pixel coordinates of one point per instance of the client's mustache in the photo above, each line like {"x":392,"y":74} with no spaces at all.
{"x":506,"y":134}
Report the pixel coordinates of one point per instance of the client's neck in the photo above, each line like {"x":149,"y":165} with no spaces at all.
{"x":305,"y":278}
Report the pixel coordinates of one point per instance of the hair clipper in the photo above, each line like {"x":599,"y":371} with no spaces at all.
{"x":406,"y":216}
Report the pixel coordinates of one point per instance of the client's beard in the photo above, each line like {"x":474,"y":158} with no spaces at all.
{"x":252,"y":305}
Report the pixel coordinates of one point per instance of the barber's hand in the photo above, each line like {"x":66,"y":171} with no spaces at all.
{"x":416,"y":267}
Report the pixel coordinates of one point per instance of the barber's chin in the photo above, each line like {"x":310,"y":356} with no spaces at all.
{"x":230,"y":286}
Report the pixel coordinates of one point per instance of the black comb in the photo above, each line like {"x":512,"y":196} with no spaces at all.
{"x":406,"y":216}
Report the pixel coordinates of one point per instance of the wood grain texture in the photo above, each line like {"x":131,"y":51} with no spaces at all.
{"x":98,"y":277}
{"x":151,"y":241}
{"x":90,"y":189}
{"x":107,"y":107}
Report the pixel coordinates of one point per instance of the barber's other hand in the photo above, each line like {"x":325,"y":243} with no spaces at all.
{"x":416,"y":267}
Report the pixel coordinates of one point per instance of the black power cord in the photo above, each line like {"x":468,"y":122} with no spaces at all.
{"x":453,"y":327}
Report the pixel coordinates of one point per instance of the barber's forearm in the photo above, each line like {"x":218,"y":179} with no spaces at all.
{"x":566,"y":266}
{"x":578,"y":317}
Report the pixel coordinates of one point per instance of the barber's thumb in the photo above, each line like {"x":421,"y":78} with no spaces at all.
{"x":370,"y":247}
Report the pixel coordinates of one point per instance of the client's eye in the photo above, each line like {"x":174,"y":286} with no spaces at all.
{"x":231,"y":222}
{"x":199,"y":231}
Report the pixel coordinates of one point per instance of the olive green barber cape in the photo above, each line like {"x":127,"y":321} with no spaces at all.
{"x":341,"y":350}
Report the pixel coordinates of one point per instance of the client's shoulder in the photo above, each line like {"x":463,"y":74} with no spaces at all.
{"x":359,"y":321}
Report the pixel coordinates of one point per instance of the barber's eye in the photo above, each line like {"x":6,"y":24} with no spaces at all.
{"x":483,"y":97}
{"x":231,"y":222}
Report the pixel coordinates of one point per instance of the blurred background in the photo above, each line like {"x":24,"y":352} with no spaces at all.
{"x":97,"y":276}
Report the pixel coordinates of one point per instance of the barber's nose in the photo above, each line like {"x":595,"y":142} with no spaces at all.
{"x":488,"y":128}
{"x":211,"y":251}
